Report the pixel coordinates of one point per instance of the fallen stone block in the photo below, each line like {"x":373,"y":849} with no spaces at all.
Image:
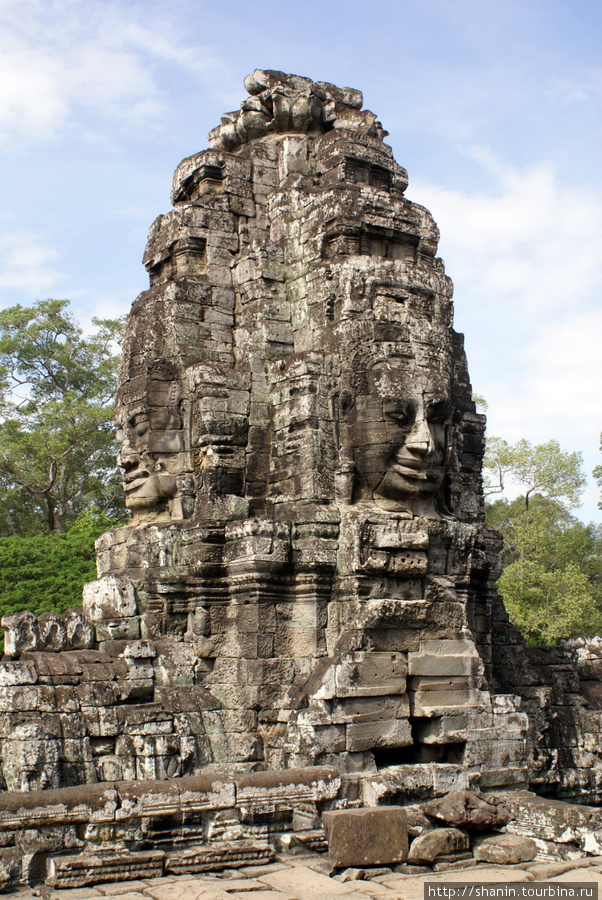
{"x":314,"y":841}
{"x":505,"y":849}
{"x":440,"y":842}
{"x":77,"y":870}
{"x":550,"y":820}
{"x":468,"y":809}
{"x":264,"y":791}
{"x":218,"y":855}
{"x":366,"y":837}
{"x":592,"y":843}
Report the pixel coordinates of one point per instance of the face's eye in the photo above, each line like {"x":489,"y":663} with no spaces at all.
{"x":438,"y":413}
{"x":399,"y":412}
{"x":400,"y":418}
{"x":139,"y":425}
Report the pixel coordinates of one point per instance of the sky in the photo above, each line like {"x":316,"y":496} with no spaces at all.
{"x":493,"y":107}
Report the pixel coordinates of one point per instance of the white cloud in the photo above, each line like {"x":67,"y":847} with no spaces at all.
{"x":583,"y":86}
{"x":532,"y":242}
{"x":558,"y":393}
{"x":56,"y":57}
{"x":24,"y":264}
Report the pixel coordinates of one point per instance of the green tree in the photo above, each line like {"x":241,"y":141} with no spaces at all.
{"x":57,"y":390}
{"x":46,"y":572}
{"x":543,"y":469}
{"x":597,"y":473}
{"x":551,"y":581}
{"x":552,"y":577}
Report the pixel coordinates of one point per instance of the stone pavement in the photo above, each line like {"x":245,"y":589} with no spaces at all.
{"x":306,"y":877}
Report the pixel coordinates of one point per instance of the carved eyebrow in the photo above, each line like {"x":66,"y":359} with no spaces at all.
{"x":396,"y":404}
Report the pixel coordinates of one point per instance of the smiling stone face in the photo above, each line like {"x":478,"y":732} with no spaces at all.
{"x":397,"y":432}
{"x":151,"y":441}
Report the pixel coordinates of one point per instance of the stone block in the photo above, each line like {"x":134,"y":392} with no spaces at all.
{"x":428,"y":847}
{"x":14,"y":672}
{"x":27,"y":697}
{"x":366,"y":837}
{"x":372,"y":735}
{"x":110,"y":597}
{"x":52,"y":632}
{"x":549,"y":820}
{"x":235,"y":746}
{"x":80,"y":630}
{"x":370,"y":709}
{"x":150,"y":798}
{"x":505,"y":849}
{"x":80,"y":869}
{"x":227,"y":720}
{"x":443,"y":729}
{"x":438,"y":664}
{"x":288,"y":788}
{"x":218,"y":855}
{"x":20,"y":633}
{"x":468,"y":809}
{"x":363,"y":674}
{"x":118,"y":629}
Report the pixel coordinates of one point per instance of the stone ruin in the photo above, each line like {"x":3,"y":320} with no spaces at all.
{"x":307,"y":582}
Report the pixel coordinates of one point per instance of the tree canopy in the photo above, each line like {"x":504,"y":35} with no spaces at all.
{"x":57,"y":391}
{"x":552,"y":577}
{"x":543,"y":469}
{"x":597,"y":473}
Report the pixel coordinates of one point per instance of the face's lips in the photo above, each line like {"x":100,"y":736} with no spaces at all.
{"x":417,"y":468}
{"x":136,"y":479}
{"x":421,"y":474}
{"x":409,"y":462}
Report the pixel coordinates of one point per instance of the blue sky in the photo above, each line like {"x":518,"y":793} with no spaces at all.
{"x":494,"y":109}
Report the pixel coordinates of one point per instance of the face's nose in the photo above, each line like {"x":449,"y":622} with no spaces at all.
{"x":128,"y":458}
{"x":128,"y":461}
{"x":420,"y":439}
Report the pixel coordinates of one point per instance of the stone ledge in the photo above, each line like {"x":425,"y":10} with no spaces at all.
{"x":118,"y":801}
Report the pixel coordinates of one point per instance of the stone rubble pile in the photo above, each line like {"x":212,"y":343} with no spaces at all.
{"x":129,"y":830}
{"x":73,"y":837}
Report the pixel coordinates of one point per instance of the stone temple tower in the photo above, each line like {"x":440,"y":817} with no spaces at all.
{"x":306,"y":578}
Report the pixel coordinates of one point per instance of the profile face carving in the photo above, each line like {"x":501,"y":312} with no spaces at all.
{"x":151,"y":439}
{"x":398,"y":437}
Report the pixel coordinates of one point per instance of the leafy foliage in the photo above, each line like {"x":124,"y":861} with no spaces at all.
{"x":47,"y":571}
{"x":552,"y":578}
{"x":57,"y":388}
{"x":543,"y":469}
{"x":597,"y":473}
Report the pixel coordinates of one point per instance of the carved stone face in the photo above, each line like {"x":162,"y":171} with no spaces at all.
{"x":397,"y":433}
{"x":151,"y":440}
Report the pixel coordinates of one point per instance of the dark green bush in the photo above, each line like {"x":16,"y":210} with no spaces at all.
{"x":47,"y":571}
